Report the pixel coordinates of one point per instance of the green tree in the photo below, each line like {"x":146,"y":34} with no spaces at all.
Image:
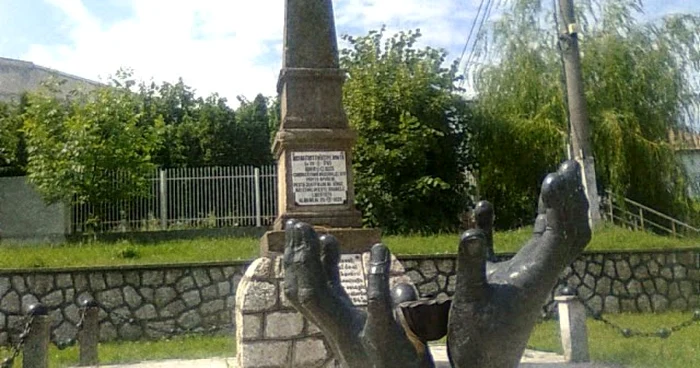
{"x":206,"y":131}
{"x":409,"y":161}
{"x":9,"y":127}
{"x":13,"y":150}
{"x":76,"y":144}
{"x":637,"y":76}
{"x":253,"y":129}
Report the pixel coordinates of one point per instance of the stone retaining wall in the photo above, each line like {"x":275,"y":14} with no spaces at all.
{"x":152,"y":301}
{"x":608,"y":282}
{"x":136,"y":302}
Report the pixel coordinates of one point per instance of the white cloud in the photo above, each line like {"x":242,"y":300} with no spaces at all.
{"x":215,"y":46}
{"x":444,"y":23}
{"x":229,"y":47}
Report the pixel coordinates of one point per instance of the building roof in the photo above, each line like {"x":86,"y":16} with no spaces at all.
{"x":18,"y":76}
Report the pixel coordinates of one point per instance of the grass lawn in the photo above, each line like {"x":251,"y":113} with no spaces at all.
{"x":186,"y":347}
{"x":209,"y":250}
{"x":125,"y":253}
{"x":607,"y":237}
{"x":680,"y":350}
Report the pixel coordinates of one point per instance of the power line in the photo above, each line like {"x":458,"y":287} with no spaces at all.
{"x":471,"y":30}
{"x":486,"y":14}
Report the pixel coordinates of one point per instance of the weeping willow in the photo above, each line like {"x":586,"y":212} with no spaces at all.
{"x":641,"y":81}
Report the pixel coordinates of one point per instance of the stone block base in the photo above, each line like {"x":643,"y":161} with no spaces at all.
{"x":270,"y":333}
{"x":351,"y":240}
{"x":346,"y":218}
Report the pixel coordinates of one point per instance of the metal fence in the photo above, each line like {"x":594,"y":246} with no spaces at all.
{"x":183,"y":198}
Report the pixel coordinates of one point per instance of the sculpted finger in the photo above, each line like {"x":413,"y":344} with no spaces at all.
{"x":307,"y":259}
{"x":541,"y":219}
{"x":290,"y":280}
{"x":575,"y":211}
{"x":378,"y":293}
{"x":567,"y":207}
{"x":484,"y":216}
{"x":382,"y":335}
{"x":303,"y":277}
{"x":330,"y":258}
{"x":403,"y":292}
{"x":471,"y":297}
{"x":471,"y":266}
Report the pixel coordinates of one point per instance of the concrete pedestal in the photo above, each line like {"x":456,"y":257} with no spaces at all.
{"x":572,"y":323}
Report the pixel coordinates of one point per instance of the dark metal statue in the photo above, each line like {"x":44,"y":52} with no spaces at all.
{"x":495,"y":305}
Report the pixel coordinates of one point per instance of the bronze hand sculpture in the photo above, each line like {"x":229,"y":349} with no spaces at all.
{"x":495,"y":305}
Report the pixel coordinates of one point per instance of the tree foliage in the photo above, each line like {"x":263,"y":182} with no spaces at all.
{"x":408,"y":162}
{"x":638,"y":78}
{"x":76,"y":144}
{"x":254,"y":130}
{"x":9,"y":129}
{"x":206,"y":131}
{"x":72,"y":145}
{"x":13,"y":150}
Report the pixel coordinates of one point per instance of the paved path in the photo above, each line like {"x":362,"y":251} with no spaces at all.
{"x":531,"y":359}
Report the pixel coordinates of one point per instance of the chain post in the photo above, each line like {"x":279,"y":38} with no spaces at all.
{"x":572,"y":325}
{"x":36,"y":344}
{"x":17,"y":348}
{"x":89,"y":332}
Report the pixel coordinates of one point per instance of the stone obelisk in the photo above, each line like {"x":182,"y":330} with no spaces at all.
{"x":314,"y":154}
{"x":313,"y":146}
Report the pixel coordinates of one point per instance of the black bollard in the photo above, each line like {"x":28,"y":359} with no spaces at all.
{"x":36,"y":345}
{"x":89,"y":333}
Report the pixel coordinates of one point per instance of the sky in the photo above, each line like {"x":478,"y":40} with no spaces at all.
{"x":231,"y":47}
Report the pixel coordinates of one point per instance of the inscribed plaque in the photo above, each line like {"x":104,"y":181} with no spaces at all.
{"x":319,"y":178}
{"x":352,"y":277}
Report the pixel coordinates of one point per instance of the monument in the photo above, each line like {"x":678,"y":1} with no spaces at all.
{"x":314,"y":144}
{"x":313,"y":148}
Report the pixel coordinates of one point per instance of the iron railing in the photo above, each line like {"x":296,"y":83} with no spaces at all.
{"x":183,"y":198}
{"x":634,"y":215}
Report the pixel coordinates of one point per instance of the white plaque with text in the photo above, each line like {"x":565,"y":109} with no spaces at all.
{"x":352,"y":277}
{"x":319,"y":178}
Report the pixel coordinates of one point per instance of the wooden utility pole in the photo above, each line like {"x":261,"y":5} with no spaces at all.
{"x":580,"y":133}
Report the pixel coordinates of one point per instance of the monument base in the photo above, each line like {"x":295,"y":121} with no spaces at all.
{"x":346,"y":218}
{"x":352,"y":240}
{"x":269,"y":330}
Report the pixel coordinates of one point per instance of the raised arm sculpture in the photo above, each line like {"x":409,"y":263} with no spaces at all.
{"x":494,"y":307}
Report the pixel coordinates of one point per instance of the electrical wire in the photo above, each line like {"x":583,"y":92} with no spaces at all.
{"x":471,"y":31}
{"x":486,"y":14}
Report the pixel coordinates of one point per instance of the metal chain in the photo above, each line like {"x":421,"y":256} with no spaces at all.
{"x":662,"y":333}
{"x":17,"y":349}
{"x":63,"y":344}
{"x":81,"y":320}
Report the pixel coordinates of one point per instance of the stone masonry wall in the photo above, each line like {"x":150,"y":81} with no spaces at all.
{"x":608,"y":282}
{"x":136,"y":302}
{"x":152,"y":301}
